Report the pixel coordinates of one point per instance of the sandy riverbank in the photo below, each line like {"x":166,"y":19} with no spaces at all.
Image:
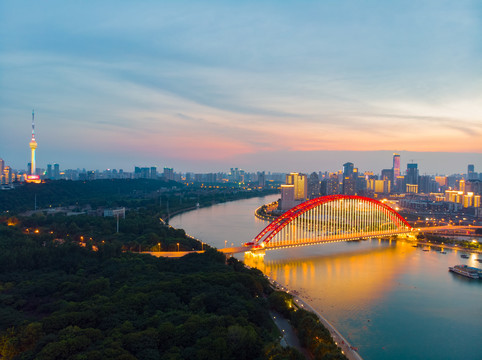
{"x":348,"y":350}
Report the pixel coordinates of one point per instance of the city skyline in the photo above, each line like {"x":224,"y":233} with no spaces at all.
{"x":209,"y":87}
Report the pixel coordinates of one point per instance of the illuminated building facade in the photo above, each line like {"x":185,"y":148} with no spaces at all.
{"x":411,"y":188}
{"x":330,"y":185}
{"x":379,"y":186}
{"x":396,"y":166}
{"x":300,"y":183}
{"x":287,"y":197}
{"x":461,"y":185}
{"x":411,"y":178}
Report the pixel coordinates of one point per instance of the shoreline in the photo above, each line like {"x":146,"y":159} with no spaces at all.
{"x":347,"y":349}
{"x":446,"y":246}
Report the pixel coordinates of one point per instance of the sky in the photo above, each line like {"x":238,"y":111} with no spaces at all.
{"x":259,"y":85}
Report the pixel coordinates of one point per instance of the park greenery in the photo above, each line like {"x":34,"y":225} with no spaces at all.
{"x":72,"y":287}
{"x":63,"y":301}
{"x":313,"y":335}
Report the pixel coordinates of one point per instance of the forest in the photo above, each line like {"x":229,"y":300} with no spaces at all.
{"x":167,"y":196}
{"x":72,"y":287}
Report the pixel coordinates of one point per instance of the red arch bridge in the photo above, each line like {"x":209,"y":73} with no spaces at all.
{"x":329,"y":219}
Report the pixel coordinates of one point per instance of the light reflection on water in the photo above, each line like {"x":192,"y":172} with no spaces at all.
{"x":391,"y":300}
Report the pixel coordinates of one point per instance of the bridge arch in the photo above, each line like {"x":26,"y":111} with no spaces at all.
{"x":331,"y":218}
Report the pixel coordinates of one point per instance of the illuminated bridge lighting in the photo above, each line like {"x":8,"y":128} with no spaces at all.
{"x":328,"y":219}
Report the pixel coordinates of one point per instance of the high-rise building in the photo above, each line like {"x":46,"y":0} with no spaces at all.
{"x":348,"y":178}
{"x":168,"y":173}
{"x":2,"y":166}
{"x":236,"y":175}
{"x":153,"y":172}
{"x":7,"y":175}
{"x":396,"y":166}
{"x":379,"y":186}
{"x":388,"y":174}
{"x":412,"y":174}
{"x":471,"y":174}
{"x":287,"y":197}
{"x":348,"y":169}
{"x":332,"y":184}
{"x":300,"y":183}
{"x":56,"y":171}
{"x":426,"y":184}
{"x":474,"y":186}
{"x":313,"y":186}
{"x":49,"y":173}
{"x":461,"y":185}
{"x":349,"y":185}
{"x":261,"y":179}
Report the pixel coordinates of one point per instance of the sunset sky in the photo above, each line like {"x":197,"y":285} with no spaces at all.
{"x":260,"y":85}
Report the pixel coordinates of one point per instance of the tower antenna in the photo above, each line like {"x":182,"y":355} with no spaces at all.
{"x":33,"y":123}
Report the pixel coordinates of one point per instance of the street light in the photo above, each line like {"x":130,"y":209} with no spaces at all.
{"x":177,"y":246}
{"x":159,"y":244}
{"x":225,"y":243}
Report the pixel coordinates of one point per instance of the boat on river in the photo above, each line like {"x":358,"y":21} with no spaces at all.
{"x":466,"y":271}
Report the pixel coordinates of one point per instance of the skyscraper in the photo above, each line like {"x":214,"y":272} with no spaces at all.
{"x":349,"y":183}
{"x":261,"y":179}
{"x":49,"y":174}
{"x":168,"y":174}
{"x":313,"y":186}
{"x":56,"y":172}
{"x":396,"y":166}
{"x":300,"y":183}
{"x":412,"y":177}
{"x":348,"y":169}
{"x":471,"y":174}
{"x":287,"y":197}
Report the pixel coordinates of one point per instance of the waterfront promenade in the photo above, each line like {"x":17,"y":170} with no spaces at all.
{"x":347,"y":349}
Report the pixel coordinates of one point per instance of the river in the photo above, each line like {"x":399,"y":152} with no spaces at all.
{"x":388,"y":298}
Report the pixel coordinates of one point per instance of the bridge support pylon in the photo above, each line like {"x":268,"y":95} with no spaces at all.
{"x":255,"y":254}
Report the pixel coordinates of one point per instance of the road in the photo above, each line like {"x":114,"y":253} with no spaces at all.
{"x":288,"y":335}
{"x":349,"y":351}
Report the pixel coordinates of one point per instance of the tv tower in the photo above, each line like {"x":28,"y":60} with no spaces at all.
{"x":33,"y":146}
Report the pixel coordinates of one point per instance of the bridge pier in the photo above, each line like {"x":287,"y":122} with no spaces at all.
{"x":255,"y":254}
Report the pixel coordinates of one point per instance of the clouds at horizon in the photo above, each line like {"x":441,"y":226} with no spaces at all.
{"x":188,"y":83}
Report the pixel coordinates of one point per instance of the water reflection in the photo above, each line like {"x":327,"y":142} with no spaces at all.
{"x":390,"y":299}
{"x":360,"y":276}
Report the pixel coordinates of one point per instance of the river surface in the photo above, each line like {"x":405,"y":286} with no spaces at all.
{"x":389,"y":299}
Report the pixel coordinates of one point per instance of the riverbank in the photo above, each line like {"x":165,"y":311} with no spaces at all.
{"x":203,"y":203}
{"x":347,"y":349}
{"x":444,"y":246}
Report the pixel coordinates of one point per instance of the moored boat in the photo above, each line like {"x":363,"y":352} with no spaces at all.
{"x":467,"y":271}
